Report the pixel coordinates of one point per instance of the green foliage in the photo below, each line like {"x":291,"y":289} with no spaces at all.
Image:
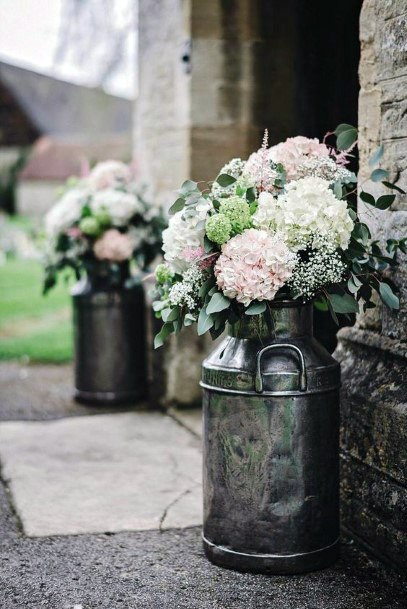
{"x":225,"y":180}
{"x":346,"y":136}
{"x":217,"y":303}
{"x":255,"y":308}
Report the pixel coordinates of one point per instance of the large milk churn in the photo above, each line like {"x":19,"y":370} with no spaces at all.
{"x":271,"y":427}
{"x":110,"y":341}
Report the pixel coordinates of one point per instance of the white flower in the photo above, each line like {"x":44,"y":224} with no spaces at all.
{"x":109,"y":174}
{"x":234,"y":168}
{"x":186,"y":230}
{"x":323,"y":267}
{"x":121,"y":206}
{"x":324,"y":167}
{"x":186,"y":292}
{"x":307,"y":210}
{"x":65,"y":212}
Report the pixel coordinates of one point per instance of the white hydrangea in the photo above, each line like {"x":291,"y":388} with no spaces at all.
{"x":120,"y":205}
{"x":234,"y":168}
{"x":65,"y":212}
{"x":308,"y":209}
{"x":186,"y":230}
{"x":109,"y":174}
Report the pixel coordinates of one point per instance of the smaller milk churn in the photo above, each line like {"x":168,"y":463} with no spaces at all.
{"x":110,"y":340}
{"x":271,"y":454}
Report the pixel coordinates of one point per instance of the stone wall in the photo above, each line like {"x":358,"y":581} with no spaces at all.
{"x":374,"y":352}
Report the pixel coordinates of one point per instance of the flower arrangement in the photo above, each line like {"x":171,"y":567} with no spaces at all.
{"x":281,"y":225}
{"x":102,"y":220}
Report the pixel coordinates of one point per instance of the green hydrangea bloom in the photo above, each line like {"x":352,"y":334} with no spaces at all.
{"x":237,"y":211}
{"x":103,"y":217}
{"x":218,"y":228}
{"x":90,"y":226}
{"x":163,"y":273}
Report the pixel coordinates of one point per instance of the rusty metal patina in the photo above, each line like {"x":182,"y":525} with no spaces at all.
{"x":271,"y":454}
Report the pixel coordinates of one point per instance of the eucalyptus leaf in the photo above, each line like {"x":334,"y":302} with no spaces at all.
{"x":255,"y":308}
{"x":378,"y":175}
{"x":343,"y":127}
{"x":368,"y":198}
{"x":250,"y":195}
{"x":376,"y":156}
{"x":217,"y":303}
{"x":388,"y":296}
{"x":385,"y":201}
{"x":344,"y":303}
{"x":208,"y":245}
{"x":206,"y":286}
{"x":337,"y":190}
{"x":205,"y":322}
{"x":163,"y":334}
{"x":225,"y":180}
{"x":394,"y":187}
{"x":346,"y":138}
{"x":178,"y":205}
{"x":188,"y":187}
{"x":170,"y":314}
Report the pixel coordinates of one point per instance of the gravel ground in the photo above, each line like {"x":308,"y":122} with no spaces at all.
{"x":152,"y":569}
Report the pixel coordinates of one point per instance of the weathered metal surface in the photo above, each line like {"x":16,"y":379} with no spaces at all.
{"x":271,"y":426}
{"x":110,"y":353}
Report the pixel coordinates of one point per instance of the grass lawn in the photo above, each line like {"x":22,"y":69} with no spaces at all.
{"x":31,"y":325}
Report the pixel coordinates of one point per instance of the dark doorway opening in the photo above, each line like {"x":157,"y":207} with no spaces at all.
{"x":306,"y":79}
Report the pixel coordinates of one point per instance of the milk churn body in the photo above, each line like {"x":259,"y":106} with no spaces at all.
{"x":109,"y":336}
{"x":271,"y":462}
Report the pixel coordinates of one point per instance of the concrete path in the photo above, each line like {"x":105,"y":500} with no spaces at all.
{"x":106,"y":473}
{"x":97,"y":511}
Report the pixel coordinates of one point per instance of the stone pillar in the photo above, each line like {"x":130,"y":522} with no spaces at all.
{"x":374,"y":352}
{"x":195,"y":111}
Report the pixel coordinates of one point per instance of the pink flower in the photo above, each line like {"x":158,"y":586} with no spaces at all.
{"x":113,"y":246}
{"x":191,"y":254}
{"x":74,"y":232}
{"x":254,"y":266}
{"x":199,"y":256}
{"x":296,"y":150}
{"x":109,"y":174}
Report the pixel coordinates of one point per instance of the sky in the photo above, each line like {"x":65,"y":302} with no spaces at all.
{"x":30,"y":35}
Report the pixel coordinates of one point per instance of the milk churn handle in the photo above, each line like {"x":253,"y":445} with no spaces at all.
{"x":259,"y":378}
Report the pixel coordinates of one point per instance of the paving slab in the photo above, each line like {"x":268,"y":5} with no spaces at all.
{"x":104,"y":473}
{"x":190,"y":418}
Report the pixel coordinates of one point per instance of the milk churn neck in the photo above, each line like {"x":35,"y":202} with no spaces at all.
{"x":286,"y":318}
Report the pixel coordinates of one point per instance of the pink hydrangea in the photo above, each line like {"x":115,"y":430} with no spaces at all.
{"x":113,"y":246}
{"x":296,"y":150}
{"x":254,"y":266}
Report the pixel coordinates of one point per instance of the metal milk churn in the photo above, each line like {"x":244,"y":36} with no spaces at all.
{"x":271,"y":454}
{"x":110,"y":341}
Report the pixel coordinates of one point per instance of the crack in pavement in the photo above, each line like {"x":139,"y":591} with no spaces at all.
{"x":174,"y":502}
